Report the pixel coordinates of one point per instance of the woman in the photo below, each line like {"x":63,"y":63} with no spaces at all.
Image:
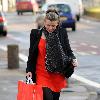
{"x":44,"y":49}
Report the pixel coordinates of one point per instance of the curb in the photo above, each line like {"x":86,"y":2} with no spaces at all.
{"x":78,"y":91}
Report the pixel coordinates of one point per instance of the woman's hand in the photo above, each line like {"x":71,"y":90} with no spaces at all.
{"x":29,"y":74}
{"x":75,"y":63}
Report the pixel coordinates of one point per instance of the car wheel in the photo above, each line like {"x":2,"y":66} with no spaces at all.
{"x":18,"y":13}
{"x":39,"y":27}
{"x":74,"y":28}
{"x":21,"y":13}
{"x":78,"y":17}
{"x":5,"y":33}
{"x":33,"y":12}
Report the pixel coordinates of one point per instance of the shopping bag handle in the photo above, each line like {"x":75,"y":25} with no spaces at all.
{"x":29,"y":80}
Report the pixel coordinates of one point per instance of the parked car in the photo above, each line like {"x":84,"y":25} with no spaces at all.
{"x":26,"y":6}
{"x":76,"y":7}
{"x":67,"y":20}
{"x":3,"y":25}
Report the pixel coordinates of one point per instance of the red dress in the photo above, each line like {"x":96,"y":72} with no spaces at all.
{"x":54,"y":81}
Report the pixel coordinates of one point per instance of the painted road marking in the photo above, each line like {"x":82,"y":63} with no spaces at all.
{"x":84,"y":48}
{"x":84,"y":80}
{"x":83,"y":44}
{"x":93,"y":52}
{"x":82,"y":53}
{"x":22,"y":40}
{"x":93,"y":46}
{"x":89,"y":31}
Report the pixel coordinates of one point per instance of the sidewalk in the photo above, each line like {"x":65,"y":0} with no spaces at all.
{"x":90,"y":18}
{"x":75,"y":91}
{"x":78,"y":91}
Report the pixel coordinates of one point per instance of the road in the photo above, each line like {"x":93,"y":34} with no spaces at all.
{"x":85,"y":43}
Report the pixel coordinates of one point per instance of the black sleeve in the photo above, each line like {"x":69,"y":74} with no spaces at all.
{"x":67,"y":45}
{"x":30,"y":57}
{"x":31,"y":63}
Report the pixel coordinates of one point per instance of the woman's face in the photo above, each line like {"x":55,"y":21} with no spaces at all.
{"x":50,"y":25}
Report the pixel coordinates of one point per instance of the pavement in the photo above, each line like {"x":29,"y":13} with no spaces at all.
{"x":75,"y":91}
{"x":91,"y":18}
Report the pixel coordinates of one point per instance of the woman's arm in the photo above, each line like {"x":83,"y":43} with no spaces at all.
{"x":67,"y":45}
{"x":30,"y":57}
{"x":69,"y":50}
{"x":31,"y":63}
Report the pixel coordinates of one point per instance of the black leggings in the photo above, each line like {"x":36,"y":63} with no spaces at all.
{"x":48,"y":94}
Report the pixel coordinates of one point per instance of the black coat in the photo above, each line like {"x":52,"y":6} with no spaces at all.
{"x":33,"y":50}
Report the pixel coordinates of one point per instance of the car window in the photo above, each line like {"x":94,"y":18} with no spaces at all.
{"x":60,"y":7}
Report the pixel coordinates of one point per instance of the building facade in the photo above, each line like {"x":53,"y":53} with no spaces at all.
{"x":91,"y":3}
{"x":5,"y":5}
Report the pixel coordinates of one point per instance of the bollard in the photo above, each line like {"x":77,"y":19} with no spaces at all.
{"x":13,"y":56}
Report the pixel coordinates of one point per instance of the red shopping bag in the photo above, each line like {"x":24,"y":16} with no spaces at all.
{"x":29,"y":91}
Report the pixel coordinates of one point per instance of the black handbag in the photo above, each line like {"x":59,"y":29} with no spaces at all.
{"x":69,"y":69}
